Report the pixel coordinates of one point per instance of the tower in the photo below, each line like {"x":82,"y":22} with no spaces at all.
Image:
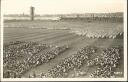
{"x":32,"y":9}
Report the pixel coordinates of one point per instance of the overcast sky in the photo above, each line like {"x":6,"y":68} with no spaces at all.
{"x":62,"y":6}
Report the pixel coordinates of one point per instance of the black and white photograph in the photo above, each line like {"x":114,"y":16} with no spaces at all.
{"x":63,"y":39}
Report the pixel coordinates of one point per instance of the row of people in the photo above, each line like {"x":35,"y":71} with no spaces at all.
{"x":98,"y":34}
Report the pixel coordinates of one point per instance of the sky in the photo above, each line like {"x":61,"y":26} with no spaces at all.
{"x":62,"y":6}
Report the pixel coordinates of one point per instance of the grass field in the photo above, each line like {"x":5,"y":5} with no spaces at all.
{"x":36,"y":31}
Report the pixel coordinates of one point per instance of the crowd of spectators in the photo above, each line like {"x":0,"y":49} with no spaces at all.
{"x":74,"y":61}
{"x":22,"y":56}
{"x":107,"y":63}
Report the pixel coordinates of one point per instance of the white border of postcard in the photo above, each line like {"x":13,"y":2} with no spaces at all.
{"x":71,"y":79}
